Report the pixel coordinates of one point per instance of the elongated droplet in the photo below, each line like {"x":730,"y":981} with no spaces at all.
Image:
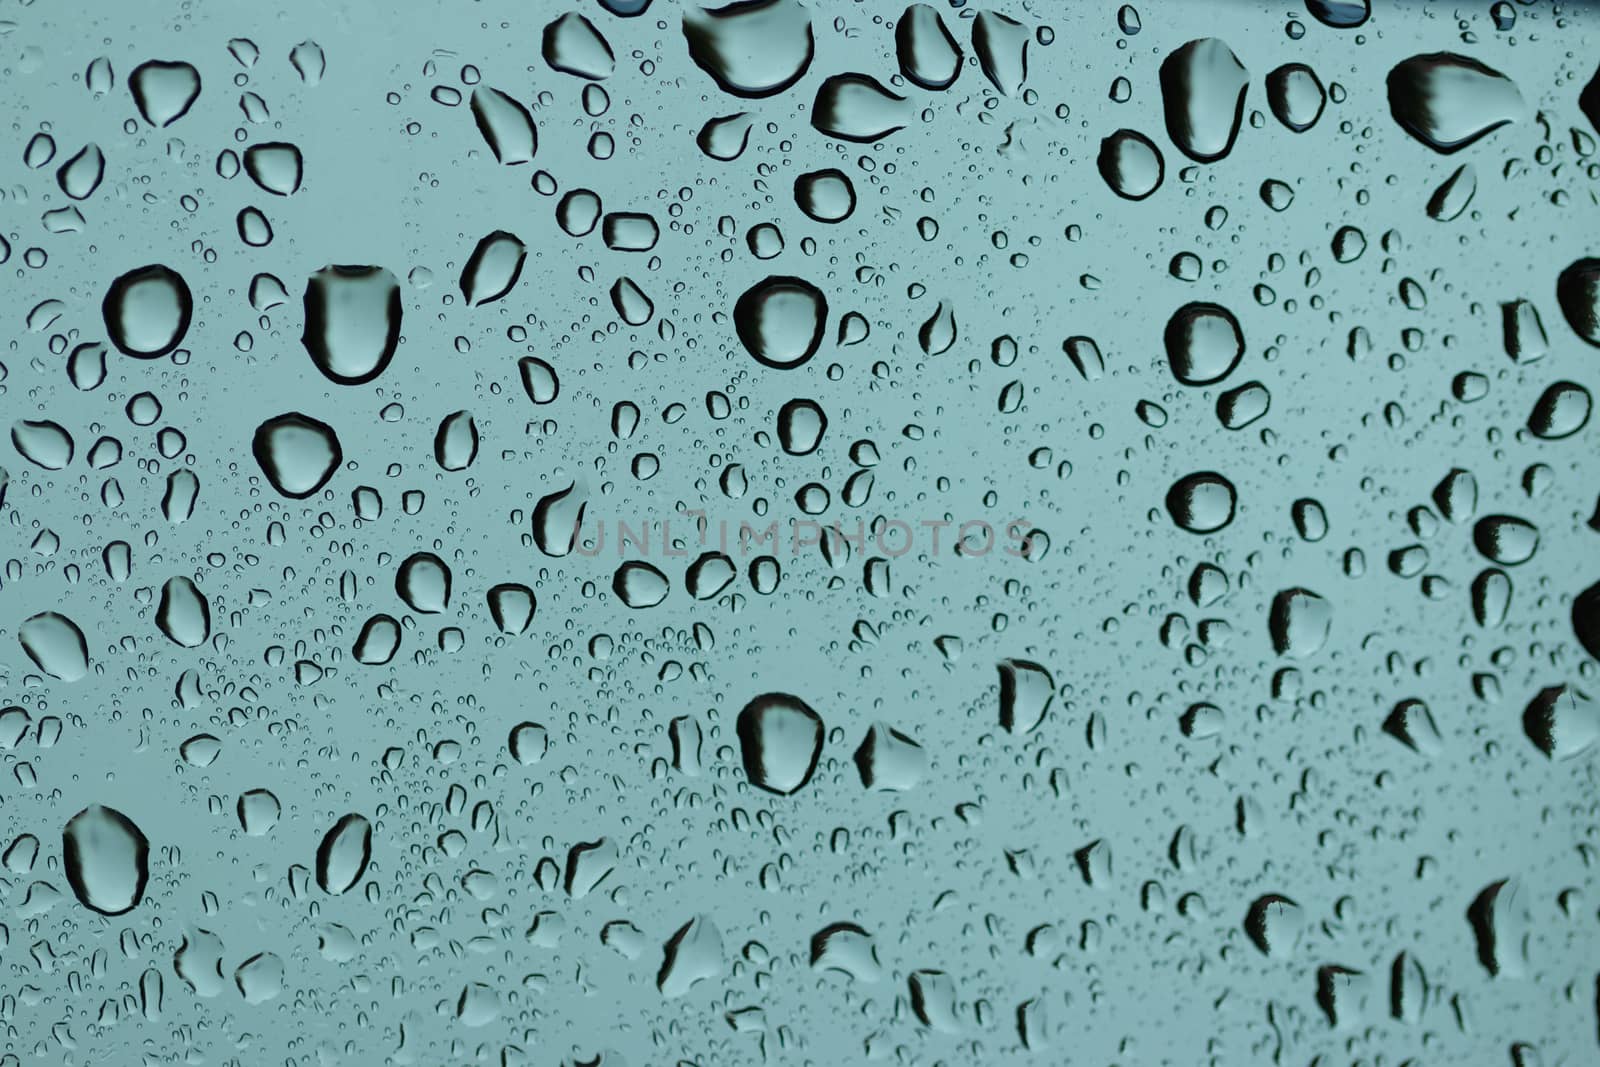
{"x":352,"y":324}
{"x":344,"y":853}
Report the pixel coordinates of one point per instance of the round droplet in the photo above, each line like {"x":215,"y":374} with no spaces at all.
{"x":781,"y":321}
{"x":147,"y":311}
{"x":344,"y":853}
{"x":1202,"y":502}
{"x":107,"y":860}
{"x":1204,"y":343}
{"x":639,"y":585}
{"x":1131,"y":164}
{"x":352,"y":324}
{"x":1296,"y":96}
{"x":825,"y":195}
{"x":801,"y":424}
{"x":780,"y":737}
{"x":297,"y":453}
{"x":423,"y":581}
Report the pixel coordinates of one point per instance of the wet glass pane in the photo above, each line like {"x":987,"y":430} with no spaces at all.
{"x":803,"y":532}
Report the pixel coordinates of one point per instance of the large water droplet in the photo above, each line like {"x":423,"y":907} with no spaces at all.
{"x":43,"y":443}
{"x":928,"y":53}
{"x":56,"y":645}
{"x":1561,"y":411}
{"x":1448,"y":101}
{"x":1506,"y":539}
{"x":147,"y":311}
{"x":1340,"y":14}
{"x":107,"y":860}
{"x":1026,"y":690}
{"x":163,"y":90}
{"x":558,"y":519}
{"x":423,"y":582}
{"x":378,"y":640}
{"x":1202,"y":502}
{"x":780,"y":737}
{"x":1299,"y":622}
{"x":276,"y":166}
{"x":297,"y":453}
{"x":352,"y":324}
{"x":1204,"y":343}
{"x":493,"y":268}
{"x":183,"y":614}
{"x":344,"y":853}
{"x":752,"y":48}
{"x":1202,"y":92}
{"x":692,"y":955}
{"x":1001,"y":44}
{"x":825,"y":195}
{"x":781,"y":321}
{"x":1578,"y":293}
{"x":640,"y":585}
{"x":1562,"y":722}
{"x":506,"y":126}
{"x":1296,"y":96}
{"x":858,"y":107}
{"x":573,"y":46}
{"x":1131,"y":164}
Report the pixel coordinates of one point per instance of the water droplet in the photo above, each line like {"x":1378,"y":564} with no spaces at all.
{"x":423,"y":582}
{"x":692,"y":955}
{"x":344,"y":854}
{"x":1296,"y":96}
{"x":455,"y":445}
{"x":378,"y":640}
{"x":857,"y":107}
{"x":1131,"y":164}
{"x":1340,"y":14}
{"x":297,"y":453}
{"x":780,"y":737}
{"x":751,"y":48}
{"x":493,"y":268}
{"x":640,"y":585}
{"x":183,"y":614}
{"x":1299,"y":622}
{"x":107,"y":860}
{"x":1202,"y":502}
{"x":56,"y":645}
{"x":1204,"y":343}
{"x":801,"y":424}
{"x":1505,"y":539}
{"x":1202,"y":92}
{"x":147,"y":311}
{"x":1001,"y":44}
{"x":825,"y":195}
{"x":781,"y":321}
{"x":1561,"y":411}
{"x":573,"y":46}
{"x":276,"y":166}
{"x":164,"y":91}
{"x":506,"y":126}
{"x":1578,"y":293}
{"x":928,"y":54}
{"x":43,"y":443}
{"x":352,"y":324}
{"x":1026,"y":690}
{"x":1448,"y":101}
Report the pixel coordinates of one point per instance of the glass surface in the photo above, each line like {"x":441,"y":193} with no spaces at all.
{"x":803,"y":533}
